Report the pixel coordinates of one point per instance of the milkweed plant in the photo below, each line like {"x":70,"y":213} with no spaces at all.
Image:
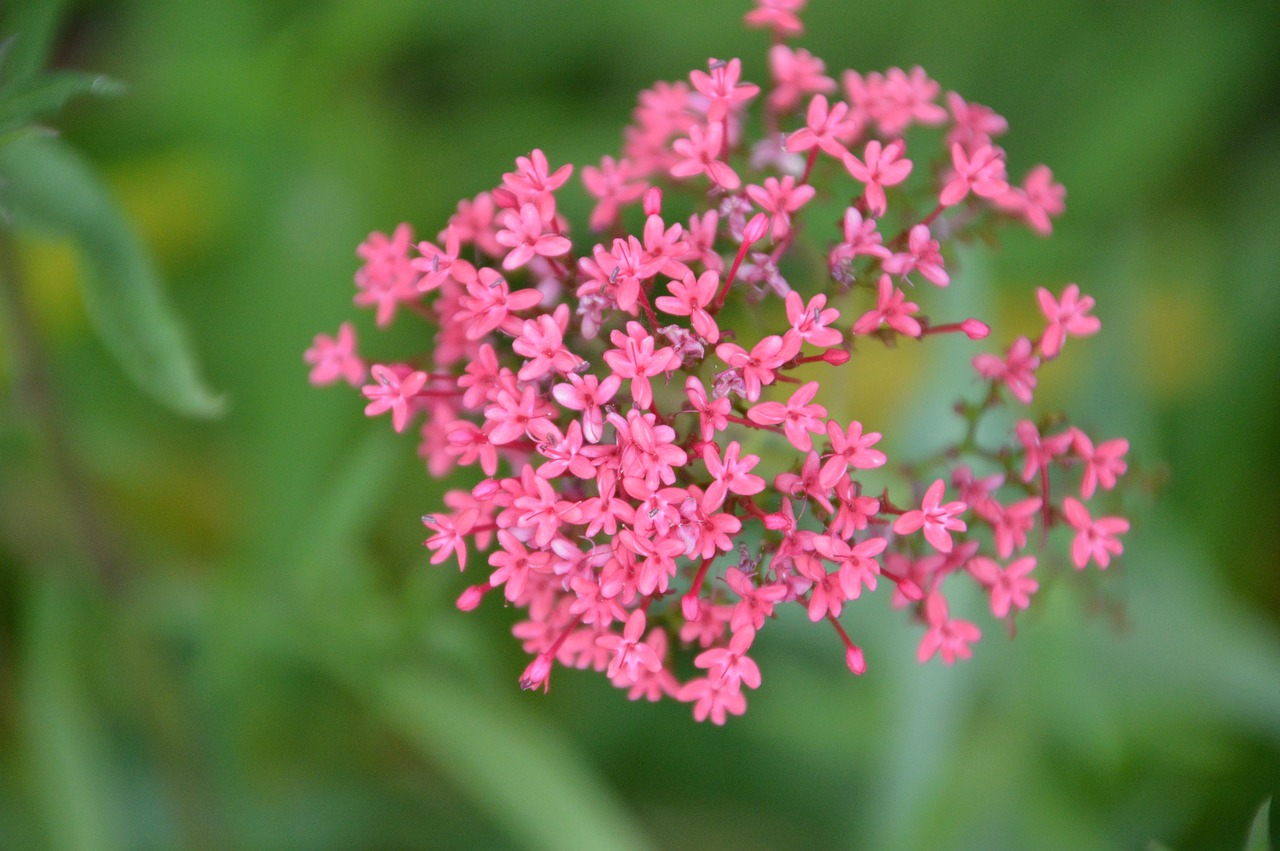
{"x":644,"y":407}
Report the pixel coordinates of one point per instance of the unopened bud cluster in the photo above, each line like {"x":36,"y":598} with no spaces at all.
{"x":645,"y":409}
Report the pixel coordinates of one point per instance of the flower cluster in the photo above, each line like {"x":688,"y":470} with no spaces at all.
{"x":646,"y":409}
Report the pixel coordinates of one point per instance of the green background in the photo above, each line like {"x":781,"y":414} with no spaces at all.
{"x":277,"y":665}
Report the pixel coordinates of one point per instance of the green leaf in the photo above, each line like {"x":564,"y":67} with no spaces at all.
{"x":31,"y":26}
{"x":65,"y":744}
{"x":532,"y":782}
{"x":24,"y":102}
{"x":1260,"y":832}
{"x":46,"y":185}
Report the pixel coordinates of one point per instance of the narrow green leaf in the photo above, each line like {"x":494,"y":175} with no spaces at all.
{"x":65,"y":749}
{"x":532,"y":782}
{"x":1260,"y":832}
{"x":30,"y":27}
{"x":46,"y":94}
{"x":44,"y":184}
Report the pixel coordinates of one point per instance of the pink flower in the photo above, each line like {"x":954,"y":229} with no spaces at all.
{"x":701,"y":155}
{"x":759,"y":366}
{"x":1069,"y":315}
{"x":798,"y":418}
{"x":892,"y":309}
{"x":884,"y":166}
{"x":333,"y":358}
{"x":588,"y":394}
{"x":720,"y":85}
{"x":387,"y":278}
{"x":439,"y":266}
{"x":1040,"y":450}
{"x":631,"y":655}
{"x":1102,"y":465}
{"x":810,"y":320}
{"x":636,"y":358}
{"x":533,"y":183}
{"x":712,"y":414}
{"x":780,"y":199}
{"x":1010,"y":588}
{"x":950,"y":637}
{"x":756,"y":603}
{"x":982,"y":173}
{"x":922,"y":253}
{"x":1017,"y":369}
{"x":394,"y":389}
{"x":732,"y":665}
{"x":613,"y":185}
{"x":850,"y":448}
{"x":525,"y":234}
{"x":691,"y":297}
{"x":777,"y":15}
{"x":939,"y":520}
{"x":1094,"y":539}
{"x":827,"y":127}
{"x":731,"y":473}
{"x":489,"y":304}
{"x":541,"y":342}
{"x":796,"y":73}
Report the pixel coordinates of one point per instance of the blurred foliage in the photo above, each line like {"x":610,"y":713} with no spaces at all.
{"x":278,"y":666}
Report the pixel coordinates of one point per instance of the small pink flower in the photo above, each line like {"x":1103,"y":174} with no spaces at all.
{"x":827,"y":127}
{"x":777,"y":15}
{"x":1068,"y":315}
{"x":334,"y":358}
{"x":937,"y":518}
{"x":691,"y":297}
{"x":1011,"y":587}
{"x":394,"y":389}
{"x":613,"y":185}
{"x":982,"y":173}
{"x":780,"y":199}
{"x":720,"y":85}
{"x":796,"y":73}
{"x":892,"y":309}
{"x":950,"y":637}
{"x":797,"y":416}
{"x":1094,"y":539}
{"x":1017,"y":369}
{"x":631,"y":655}
{"x":637,"y":358}
{"x":525,"y":234}
{"x":922,"y":254}
{"x":701,"y":155}
{"x":759,"y":366}
{"x":884,"y":166}
{"x":1102,"y":466}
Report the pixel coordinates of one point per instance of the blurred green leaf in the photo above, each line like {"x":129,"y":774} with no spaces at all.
{"x":25,"y":101}
{"x":65,"y":746}
{"x":533,"y":782}
{"x":48,"y":186}
{"x":1260,"y":831}
{"x":30,"y":27}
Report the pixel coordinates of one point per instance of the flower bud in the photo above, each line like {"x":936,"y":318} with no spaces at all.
{"x":756,"y":228}
{"x":836,"y":357}
{"x":653,"y":201}
{"x":855,"y":660}
{"x":471,"y":598}
{"x":975,"y":329}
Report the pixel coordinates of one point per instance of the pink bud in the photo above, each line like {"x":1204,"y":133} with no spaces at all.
{"x":653,"y":201}
{"x":836,"y":357}
{"x":910,"y":590}
{"x":537,"y":674}
{"x":854,"y":659}
{"x":689,"y":606}
{"x":756,"y":228}
{"x":975,"y":329}
{"x":471,"y":598}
